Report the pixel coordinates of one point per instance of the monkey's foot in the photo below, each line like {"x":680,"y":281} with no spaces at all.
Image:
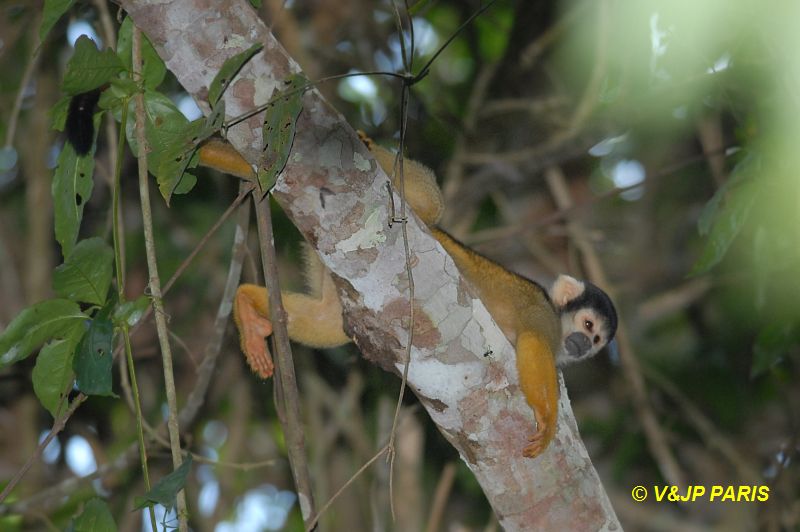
{"x":254,"y":329}
{"x":539,"y":441}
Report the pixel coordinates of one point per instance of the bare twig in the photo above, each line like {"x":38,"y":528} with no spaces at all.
{"x":404,"y":230}
{"x":58,"y":426}
{"x":287,"y":381}
{"x":155,"y":284}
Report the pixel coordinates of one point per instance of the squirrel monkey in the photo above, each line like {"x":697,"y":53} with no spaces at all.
{"x":570,"y":322}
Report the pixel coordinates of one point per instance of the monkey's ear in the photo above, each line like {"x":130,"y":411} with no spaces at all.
{"x":565,"y":289}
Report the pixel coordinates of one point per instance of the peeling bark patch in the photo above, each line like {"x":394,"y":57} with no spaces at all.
{"x":426,"y":335}
{"x":368,"y":236}
{"x":431,"y":403}
{"x":466,"y":446}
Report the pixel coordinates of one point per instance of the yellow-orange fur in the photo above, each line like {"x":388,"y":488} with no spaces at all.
{"x":520,"y":307}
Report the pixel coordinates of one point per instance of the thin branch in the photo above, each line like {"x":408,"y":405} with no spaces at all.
{"x":407,"y":254}
{"x":155,"y":283}
{"x":287,"y":381}
{"x":58,"y":426}
{"x":30,"y":68}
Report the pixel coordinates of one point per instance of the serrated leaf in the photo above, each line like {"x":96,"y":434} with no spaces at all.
{"x":153,"y":68}
{"x":93,"y":359}
{"x":90,"y":68}
{"x":86,"y":273}
{"x":96,"y":517}
{"x":280,"y":125}
{"x":71,"y":189}
{"x":228,"y":71}
{"x":728,"y":221}
{"x":54,"y":318}
{"x":52,"y":375}
{"x":130,"y":312}
{"x":52,"y":12}
{"x":166,"y":490}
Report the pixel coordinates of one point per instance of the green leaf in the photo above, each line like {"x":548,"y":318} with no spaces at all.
{"x":90,"y":68}
{"x":53,"y":11}
{"x":228,"y":71}
{"x":153,"y":68}
{"x":119,"y":92}
{"x":172,"y":139}
{"x":166,"y":490}
{"x":728,"y":221}
{"x":86,"y":274}
{"x":186,"y":184}
{"x":96,"y":517}
{"x":93,"y":360}
{"x":748,"y":166}
{"x":130,"y":312}
{"x":58,"y":113}
{"x":280,"y":124}
{"x":71,"y":189}
{"x":52,"y":375}
{"x":54,"y":318}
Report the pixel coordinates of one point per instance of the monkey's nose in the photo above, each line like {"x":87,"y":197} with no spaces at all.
{"x":577,"y":344}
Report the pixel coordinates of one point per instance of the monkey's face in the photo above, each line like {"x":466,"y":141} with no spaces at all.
{"x":584,"y":333}
{"x":588,"y":318}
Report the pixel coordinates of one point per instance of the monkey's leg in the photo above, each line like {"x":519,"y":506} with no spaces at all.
{"x":539,"y":382}
{"x":313,"y":321}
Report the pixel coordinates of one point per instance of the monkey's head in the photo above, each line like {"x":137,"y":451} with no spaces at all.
{"x":588,"y":318}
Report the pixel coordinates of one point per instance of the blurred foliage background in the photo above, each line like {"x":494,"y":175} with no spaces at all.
{"x":650,"y":146}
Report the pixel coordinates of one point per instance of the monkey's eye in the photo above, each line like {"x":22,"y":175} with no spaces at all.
{"x":588,"y":324}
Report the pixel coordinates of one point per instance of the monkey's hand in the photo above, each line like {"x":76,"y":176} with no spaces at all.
{"x":539,"y":383}
{"x":251,"y":314}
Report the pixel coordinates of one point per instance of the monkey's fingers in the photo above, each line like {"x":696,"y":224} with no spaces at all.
{"x":538,"y":441}
{"x":254,"y":329}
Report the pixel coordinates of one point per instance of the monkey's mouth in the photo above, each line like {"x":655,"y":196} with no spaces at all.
{"x":577,"y":345}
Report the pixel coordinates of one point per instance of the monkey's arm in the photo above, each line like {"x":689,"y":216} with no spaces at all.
{"x":314,"y":320}
{"x":539,"y":383}
{"x":524,"y":313}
